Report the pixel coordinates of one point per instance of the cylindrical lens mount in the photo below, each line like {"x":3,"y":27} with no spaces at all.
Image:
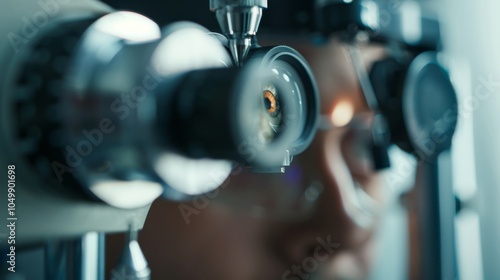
{"x":257,"y":114}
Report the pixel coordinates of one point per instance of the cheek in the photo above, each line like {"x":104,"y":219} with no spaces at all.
{"x":229,"y":244}
{"x":215,"y":245}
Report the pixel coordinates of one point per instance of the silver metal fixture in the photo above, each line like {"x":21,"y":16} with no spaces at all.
{"x":132,"y":264}
{"x":239,"y":21}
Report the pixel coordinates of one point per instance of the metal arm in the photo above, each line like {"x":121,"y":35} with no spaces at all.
{"x":239,"y":21}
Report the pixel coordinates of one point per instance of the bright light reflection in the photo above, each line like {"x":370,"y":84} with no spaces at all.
{"x":192,"y":176}
{"x":129,"y":26}
{"x":124,"y":194}
{"x":342,"y":113}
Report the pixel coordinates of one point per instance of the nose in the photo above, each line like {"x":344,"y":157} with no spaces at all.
{"x":339,"y":217}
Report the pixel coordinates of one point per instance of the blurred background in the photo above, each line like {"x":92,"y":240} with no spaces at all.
{"x":434,"y":218}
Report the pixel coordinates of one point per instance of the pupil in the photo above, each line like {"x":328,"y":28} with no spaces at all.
{"x":267,"y":103}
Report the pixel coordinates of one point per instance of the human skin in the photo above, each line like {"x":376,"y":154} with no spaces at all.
{"x":219,"y":242}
